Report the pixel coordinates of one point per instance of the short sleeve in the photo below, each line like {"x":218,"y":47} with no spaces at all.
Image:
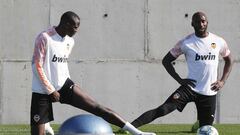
{"x":224,"y":52}
{"x":176,"y":50}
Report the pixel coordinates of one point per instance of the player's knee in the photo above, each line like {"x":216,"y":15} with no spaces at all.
{"x":161,"y":111}
{"x":99,"y":110}
{"x":104,"y":112}
{"x":165,"y":109}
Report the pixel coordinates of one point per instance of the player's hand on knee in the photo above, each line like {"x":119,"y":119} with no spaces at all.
{"x":55,"y":96}
{"x":188,"y":82}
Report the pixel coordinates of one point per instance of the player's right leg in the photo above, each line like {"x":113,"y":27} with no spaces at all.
{"x":41,"y":113}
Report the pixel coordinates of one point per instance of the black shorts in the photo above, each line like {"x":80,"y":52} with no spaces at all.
{"x":41,"y":105}
{"x":205,"y":105}
{"x":66,"y":92}
{"x":41,"y":109}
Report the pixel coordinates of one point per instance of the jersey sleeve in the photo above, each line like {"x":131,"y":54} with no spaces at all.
{"x":38,"y":61}
{"x":224,"y":52}
{"x":176,"y":50}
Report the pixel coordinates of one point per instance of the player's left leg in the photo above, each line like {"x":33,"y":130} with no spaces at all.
{"x":177,"y":100}
{"x":78,"y":98}
{"x":84,"y":101}
{"x":206,"y":106}
{"x":37,"y":129}
{"x":151,"y":115}
{"x":73,"y":95}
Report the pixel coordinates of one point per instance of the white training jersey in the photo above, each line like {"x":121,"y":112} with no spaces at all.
{"x":49,"y":62}
{"x":202,"y":57}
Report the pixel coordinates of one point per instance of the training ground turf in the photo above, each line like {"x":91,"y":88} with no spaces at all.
{"x":163,"y":129}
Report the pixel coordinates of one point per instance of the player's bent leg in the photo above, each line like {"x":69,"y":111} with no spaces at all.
{"x":38,"y":129}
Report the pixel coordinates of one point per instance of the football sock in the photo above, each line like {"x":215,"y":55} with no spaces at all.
{"x":129,"y":127}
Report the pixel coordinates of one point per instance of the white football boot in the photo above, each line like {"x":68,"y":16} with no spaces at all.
{"x":147,"y":133}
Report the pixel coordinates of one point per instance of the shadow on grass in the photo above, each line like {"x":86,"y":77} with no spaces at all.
{"x":175,"y":132}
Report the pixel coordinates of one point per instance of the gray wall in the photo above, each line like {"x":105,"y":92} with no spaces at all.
{"x":116,"y":59}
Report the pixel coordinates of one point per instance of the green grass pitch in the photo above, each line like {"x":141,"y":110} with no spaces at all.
{"x":159,"y":129}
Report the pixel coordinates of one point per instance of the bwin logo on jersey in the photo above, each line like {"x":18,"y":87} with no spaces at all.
{"x":59,"y":59}
{"x":205,"y":57}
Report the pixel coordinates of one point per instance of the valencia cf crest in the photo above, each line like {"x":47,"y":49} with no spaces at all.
{"x":36,"y":118}
{"x":176,"y":96}
{"x":213,"y":45}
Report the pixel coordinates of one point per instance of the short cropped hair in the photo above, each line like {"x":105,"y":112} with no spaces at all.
{"x":197,"y":14}
{"x":68,"y":16}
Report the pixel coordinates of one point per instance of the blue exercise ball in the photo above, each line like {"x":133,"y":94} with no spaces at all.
{"x":85,"y":124}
